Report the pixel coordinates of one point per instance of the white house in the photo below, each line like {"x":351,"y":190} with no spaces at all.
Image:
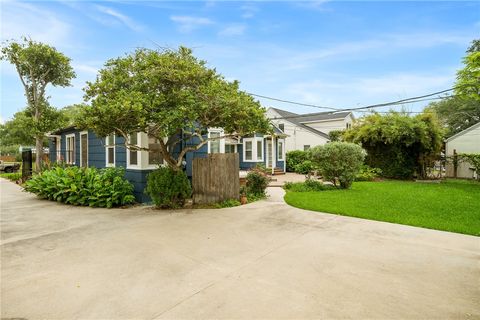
{"x":466,"y":141}
{"x":308,"y":130}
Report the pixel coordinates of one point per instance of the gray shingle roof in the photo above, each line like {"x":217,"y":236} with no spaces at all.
{"x":300,"y":119}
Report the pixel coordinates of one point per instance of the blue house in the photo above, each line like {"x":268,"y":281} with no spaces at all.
{"x":85,"y":149}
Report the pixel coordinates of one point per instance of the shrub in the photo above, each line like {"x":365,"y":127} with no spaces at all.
{"x":228,"y":203}
{"x":83,"y":186}
{"x":306,"y":167}
{"x":368,"y":174}
{"x":257,"y":183}
{"x":15,"y":176}
{"x":168,"y":188}
{"x":338,"y":161}
{"x":294,"y":158}
{"x":307,"y":186}
{"x":336,"y":135}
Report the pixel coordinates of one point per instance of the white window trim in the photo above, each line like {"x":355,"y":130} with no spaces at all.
{"x":222,"y":140}
{"x":81,"y":133}
{"x":110,"y":165}
{"x":142,"y":155}
{"x":58,"y":147}
{"x":139,"y":154}
{"x":67,"y":158}
{"x":254,"y":149}
{"x":281,"y":157}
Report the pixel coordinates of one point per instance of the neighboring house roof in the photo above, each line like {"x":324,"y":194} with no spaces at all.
{"x":60,"y":131}
{"x":298,"y":119}
{"x":461,"y":133}
{"x":322,"y":116}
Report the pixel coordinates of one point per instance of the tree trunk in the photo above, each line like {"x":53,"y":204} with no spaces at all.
{"x":39,"y":154}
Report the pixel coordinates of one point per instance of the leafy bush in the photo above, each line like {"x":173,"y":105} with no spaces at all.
{"x":305,"y":167}
{"x":338,"y":161}
{"x":257,"y":183}
{"x":294,"y":158}
{"x":12,"y":176}
{"x":228,"y":203}
{"x":83,"y":186}
{"x":473,"y":159}
{"x":368,"y":174}
{"x":168,"y":188}
{"x":251,"y":197}
{"x":307,"y":186}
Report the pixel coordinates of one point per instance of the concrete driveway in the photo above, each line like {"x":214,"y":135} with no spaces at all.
{"x":263,"y":260}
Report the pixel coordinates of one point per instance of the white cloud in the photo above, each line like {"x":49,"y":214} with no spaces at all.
{"x":249,"y":11}
{"x":233,"y":30}
{"x":123,"y":19}
{"x":85,"y":68}
{"x":378,"y":46}
{"x":189,"y":23}
{"x":25,"y":19}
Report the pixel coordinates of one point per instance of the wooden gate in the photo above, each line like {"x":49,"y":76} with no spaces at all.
{"x":216,"y":178}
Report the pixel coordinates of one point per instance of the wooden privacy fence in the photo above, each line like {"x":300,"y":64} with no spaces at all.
{"x":216,"y":178}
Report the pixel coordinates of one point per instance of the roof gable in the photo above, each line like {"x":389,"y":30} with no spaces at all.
{"x":461,"y":133}
{"x":294,"y":119}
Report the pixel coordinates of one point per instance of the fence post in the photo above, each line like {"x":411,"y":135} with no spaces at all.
{"x":26,"y":164}
{"x":455,"y":163}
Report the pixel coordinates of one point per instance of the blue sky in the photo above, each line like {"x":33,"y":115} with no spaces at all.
{"x":339,"y":54}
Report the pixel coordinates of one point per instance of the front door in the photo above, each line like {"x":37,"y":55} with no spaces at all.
{"x":269,"y":153}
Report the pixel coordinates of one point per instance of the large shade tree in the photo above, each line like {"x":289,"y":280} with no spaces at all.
{"x":456,"y":113}
{"x":168,"y":94}
{"x":468,"y":78}
{"x":38,"y":65}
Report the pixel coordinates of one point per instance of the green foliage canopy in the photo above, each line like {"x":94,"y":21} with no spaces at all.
{"x":168,"y":94}
{"x":456,"y":113}
{"x":468,"y":78}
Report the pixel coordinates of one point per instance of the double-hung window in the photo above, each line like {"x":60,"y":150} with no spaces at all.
{"x":70,"y":149}
{"x":154,"y":153}
{"x":214,"y":145}
{"x":253,"y":149}
{"x":259,"y":150}
{"x":132,"y":152}
{"x":248,"y":146}
{"x":280,"y":149}
{"x":110,"y":150}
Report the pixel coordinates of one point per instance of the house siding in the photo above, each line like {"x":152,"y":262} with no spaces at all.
{"x":138,"y":177}
{"x":96,"y":151}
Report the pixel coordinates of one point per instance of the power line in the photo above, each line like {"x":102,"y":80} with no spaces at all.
{"x":385,"y":104}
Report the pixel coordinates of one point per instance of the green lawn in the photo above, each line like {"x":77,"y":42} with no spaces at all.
{"x":453,"y":205}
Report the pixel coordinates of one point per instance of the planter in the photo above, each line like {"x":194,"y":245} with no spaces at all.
{"x":243,"y":199}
